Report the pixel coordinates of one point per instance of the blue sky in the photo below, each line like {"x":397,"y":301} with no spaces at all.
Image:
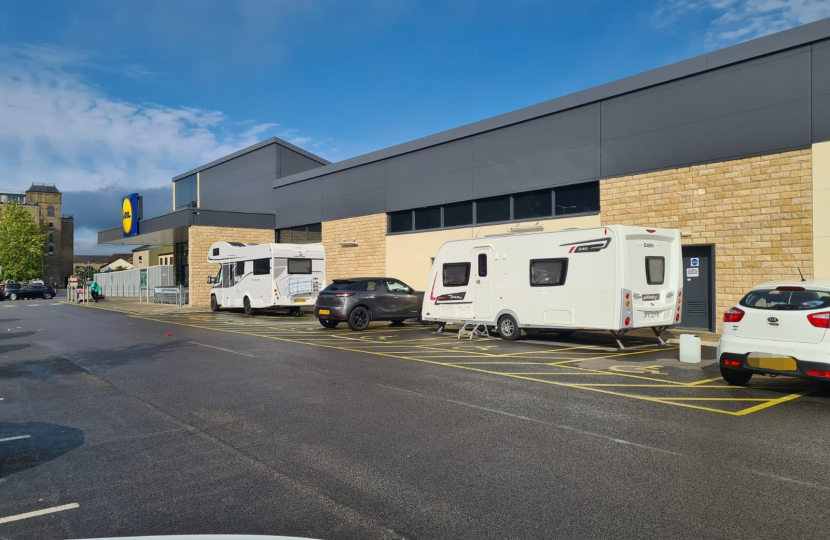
{"x":105,"y":98}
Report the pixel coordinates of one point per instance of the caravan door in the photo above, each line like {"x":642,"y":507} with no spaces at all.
{"x":482,"y":304}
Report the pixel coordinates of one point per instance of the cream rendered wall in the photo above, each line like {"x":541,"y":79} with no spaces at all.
{"x":408,"y":256}
{"x":821,"y":215}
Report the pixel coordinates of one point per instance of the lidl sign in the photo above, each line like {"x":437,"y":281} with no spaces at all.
{"x":130,"y":211}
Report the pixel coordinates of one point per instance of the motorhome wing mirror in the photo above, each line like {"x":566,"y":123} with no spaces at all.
{"x":210,"y":280}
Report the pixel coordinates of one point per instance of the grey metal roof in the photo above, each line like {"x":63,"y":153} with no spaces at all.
{"x":43,"y":188}
{"x":788,"y":39}
{"x":257,"y":146}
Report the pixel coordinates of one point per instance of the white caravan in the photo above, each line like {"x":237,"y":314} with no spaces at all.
{"x":615,"y":278}
{"x":258,"y":276}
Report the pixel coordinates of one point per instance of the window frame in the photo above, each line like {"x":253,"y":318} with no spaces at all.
{"x":564,"y":276}
{"x":648,"y":270}
{"x":466,"y":266}
{"x":482,"y":257}
{"x":288,"y":267}
{"x":259,"y":271}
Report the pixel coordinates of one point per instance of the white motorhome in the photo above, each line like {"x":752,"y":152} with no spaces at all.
{"x":614,"y":278}
{"x":259,"y":276}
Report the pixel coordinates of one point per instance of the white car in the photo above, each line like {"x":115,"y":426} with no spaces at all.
{"x":778,"y":328}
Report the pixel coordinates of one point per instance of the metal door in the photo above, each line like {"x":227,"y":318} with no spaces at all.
{"x":698,"y":287}
{"x":482,"y":260}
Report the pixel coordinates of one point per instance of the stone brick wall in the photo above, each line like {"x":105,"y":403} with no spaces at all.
{"x":367,"y":259}
{"x":200,"y":241}
{"x":757,"y":211}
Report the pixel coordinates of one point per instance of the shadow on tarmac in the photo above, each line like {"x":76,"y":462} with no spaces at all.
{"x":45,"y":443}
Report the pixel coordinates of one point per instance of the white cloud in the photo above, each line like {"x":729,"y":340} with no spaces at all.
{"x":55,"y":127}
{"x":733,"y":21}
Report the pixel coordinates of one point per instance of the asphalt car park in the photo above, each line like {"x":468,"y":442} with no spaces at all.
{"x":585,"y":362}
{"x":159,"y":420}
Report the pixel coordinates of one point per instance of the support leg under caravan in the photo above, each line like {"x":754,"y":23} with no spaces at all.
{"x":657,"y":331}
{"x":617,"y":335}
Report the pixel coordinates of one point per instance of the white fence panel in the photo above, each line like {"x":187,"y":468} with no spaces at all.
{"x":128,"y":283}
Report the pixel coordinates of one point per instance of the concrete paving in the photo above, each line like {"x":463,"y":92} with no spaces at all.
{"x":174,"y":423}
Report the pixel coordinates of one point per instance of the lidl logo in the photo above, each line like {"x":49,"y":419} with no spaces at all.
{"x":129,"y":214}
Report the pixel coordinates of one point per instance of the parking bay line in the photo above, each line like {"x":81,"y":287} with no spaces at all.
{"x":36,"y":513}
{"x":17,"y":438}
{"x":514,"y":376}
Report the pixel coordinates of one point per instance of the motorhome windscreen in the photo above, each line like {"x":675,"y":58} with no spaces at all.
{"x":548,"y":272}
{"x":655,"y":270}
{"x":262,"y":267}
{"x":456,"y":274}
{"x":299,"y":266}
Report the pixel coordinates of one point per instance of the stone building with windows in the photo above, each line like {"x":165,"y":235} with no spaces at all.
{"x":44,"y":202}
{"x":731,"y":147}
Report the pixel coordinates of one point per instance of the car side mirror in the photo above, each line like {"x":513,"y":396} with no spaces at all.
{"x":210,"y":280}
{"x":410,"y":290}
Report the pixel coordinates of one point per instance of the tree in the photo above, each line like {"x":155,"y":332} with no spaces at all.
{"x":86,"y":272}
{"x":22,"y":241}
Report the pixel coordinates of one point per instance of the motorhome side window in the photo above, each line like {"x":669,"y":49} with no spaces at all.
{"x":262,"y":267}
{"x":655,"y":270}
{"x":240,"y":269}
{"x":482,"y":265}
{"x":456,"y":274}
{"x":299,"y":266}
{"x":548,"y":272}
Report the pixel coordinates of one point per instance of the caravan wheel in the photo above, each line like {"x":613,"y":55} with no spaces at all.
{"x":246,"y":306}
{"x":509,"y":329}
{"x":214,"y":305}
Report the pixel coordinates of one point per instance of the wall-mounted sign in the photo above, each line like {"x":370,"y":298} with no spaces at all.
{"x":695,"y":261}
{"x":130,"y":214}
{"x":692,"y":272}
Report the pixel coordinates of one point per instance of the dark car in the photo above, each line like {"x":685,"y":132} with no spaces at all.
{"x":19,"y":292}
{"x":360,"y":301}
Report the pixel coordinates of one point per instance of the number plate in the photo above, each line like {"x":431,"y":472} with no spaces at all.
{"x":651,"y":297}
{"x":323,"y":312}
{"x":652,"y":314}
{"x":300,"y":300}
{"x":777,"y":363}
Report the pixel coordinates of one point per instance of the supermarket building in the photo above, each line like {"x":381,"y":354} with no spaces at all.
{"x":732,"y":148}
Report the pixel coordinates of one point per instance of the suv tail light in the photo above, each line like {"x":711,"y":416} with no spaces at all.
{"x":342,"y":294}
{"x":820,"y":320}
{"x":733,"y":315}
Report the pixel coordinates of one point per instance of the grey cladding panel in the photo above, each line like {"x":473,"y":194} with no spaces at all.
{"x":352,"y":181}
{"x":439,"y":161}
{"x":568,"y":166}
{"x":757,"y":84}
{"x":298,"y":204}
{"x":292,"y":163}
{"x":354,"y":204}
{"x":227,"y":184}
{"x":452,"y":187}
{"x":821,"y":92}
{"x":548,"y":134}
{"x":752,"y":132}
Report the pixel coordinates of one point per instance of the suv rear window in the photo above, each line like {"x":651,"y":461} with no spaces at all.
{"x":786,"y":299}
{"x":339,"y":285}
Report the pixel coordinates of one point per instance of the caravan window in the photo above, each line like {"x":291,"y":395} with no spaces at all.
{"x":482,"y":265}
{"x":240,"y":269}
{"x":456,"y":274}
{"x":262,"y":267}
{"x":299,"y":266}
{"x":655,"y":270}
{"x":548,"y":272}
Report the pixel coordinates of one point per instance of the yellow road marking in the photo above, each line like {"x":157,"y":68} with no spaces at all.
{"x":706,"y":381}
{"x":588,"y":387}
{"x":552,"y":373}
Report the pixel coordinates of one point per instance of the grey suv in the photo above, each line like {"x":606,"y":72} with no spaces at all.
{"x":360,"y":301}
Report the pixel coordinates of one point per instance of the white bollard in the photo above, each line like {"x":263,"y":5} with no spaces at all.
{"x":689,"y":349}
